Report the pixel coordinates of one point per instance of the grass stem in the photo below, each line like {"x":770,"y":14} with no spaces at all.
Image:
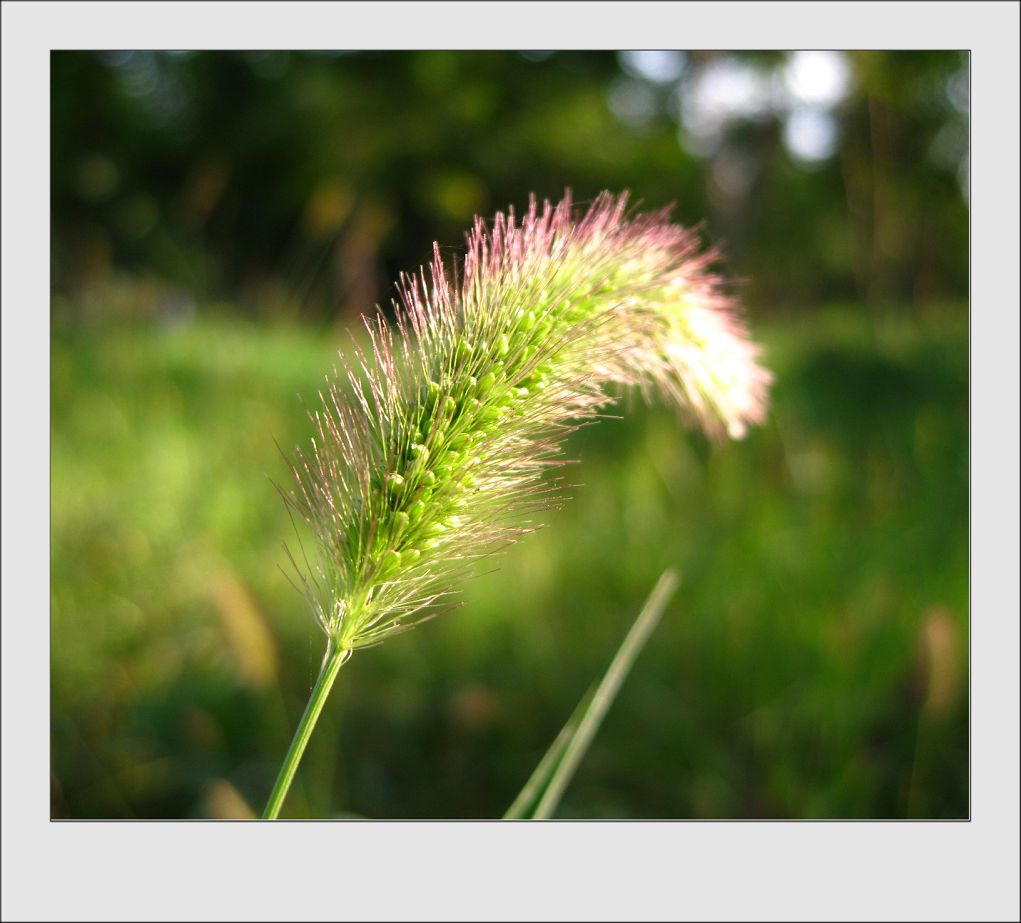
{"x":335,"y":658}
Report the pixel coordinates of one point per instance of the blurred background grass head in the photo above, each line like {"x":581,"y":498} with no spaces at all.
{"x":219,"y":221}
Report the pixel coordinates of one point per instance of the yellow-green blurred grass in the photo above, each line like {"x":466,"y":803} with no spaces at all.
{"x":813,"y":664}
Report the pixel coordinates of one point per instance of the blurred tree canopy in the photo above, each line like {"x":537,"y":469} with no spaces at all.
{"x":304,"y":182}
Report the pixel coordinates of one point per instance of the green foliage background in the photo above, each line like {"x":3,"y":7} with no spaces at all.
{"x":219,"y":220}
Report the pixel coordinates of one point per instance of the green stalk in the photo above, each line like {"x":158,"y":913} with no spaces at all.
{"x":581,"y":736}
{"x":332,"y":662}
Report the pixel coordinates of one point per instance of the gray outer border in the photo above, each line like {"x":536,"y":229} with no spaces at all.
{"x":782,"y":870}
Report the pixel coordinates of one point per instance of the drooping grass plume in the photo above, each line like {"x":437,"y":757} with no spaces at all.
{"x":438,"y":457}
{"x":431,"y":450}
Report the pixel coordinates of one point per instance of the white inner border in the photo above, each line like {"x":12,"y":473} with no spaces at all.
{"x":470,"y":871}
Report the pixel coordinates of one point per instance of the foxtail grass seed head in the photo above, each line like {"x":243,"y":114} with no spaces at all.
{"x":430,"y":451}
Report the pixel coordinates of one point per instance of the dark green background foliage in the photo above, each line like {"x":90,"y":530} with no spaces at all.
{"x":220,"y":220}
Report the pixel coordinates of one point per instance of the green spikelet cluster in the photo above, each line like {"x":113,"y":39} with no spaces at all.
{"x":430,"y":450}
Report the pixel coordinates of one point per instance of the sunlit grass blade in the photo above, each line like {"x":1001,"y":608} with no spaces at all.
{"x":540,"y":777}
{"x":555,"y":770}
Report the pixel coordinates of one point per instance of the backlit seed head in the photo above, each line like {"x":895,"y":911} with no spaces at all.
{"x":435,"y":441}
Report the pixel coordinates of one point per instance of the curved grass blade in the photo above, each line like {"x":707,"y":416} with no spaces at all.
{"x":550,"y":778}
{"x":540,"y":777}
